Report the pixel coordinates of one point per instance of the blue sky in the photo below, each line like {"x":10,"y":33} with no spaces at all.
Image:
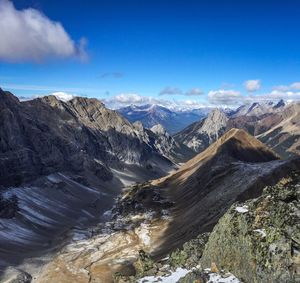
{"x":133,"y":49}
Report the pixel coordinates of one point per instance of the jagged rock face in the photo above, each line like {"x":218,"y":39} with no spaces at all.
{"x":259,"y":240}
{"x":159,"y":130}
{"x":168,"y":147}
{"x":46,"y":135}
{"x":200,"y":135}
{"x":164,"y":142}
{"x":213,"y":125}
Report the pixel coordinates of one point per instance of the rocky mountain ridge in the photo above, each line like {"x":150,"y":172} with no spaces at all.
{"x":61,"y":166}
{"x":258,"y":108}
{"x":274,"y":124}
{"x":45,"y":135}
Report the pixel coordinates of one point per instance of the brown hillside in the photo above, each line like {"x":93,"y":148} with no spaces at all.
{"x":236,"y":167}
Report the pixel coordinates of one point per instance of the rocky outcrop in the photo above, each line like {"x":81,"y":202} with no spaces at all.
{"x":258,"y":240}
{"x":200,"y":135}
{"x":46,"y":135}
{"x":168,"y":147}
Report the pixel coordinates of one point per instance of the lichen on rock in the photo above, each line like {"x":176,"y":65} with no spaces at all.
{"x":263,"y":244}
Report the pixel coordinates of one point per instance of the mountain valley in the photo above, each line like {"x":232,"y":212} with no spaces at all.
{"x":88,"y":196}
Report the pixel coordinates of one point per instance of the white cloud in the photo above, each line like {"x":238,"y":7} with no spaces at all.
{"x":194,"y":92}
{"x":130,"y":98}
{"x":292,"y":87}
{"x":28,"y":35}
{"x":225,"y":97}
{"x":170,"y":91}
{"x":252,"y":85}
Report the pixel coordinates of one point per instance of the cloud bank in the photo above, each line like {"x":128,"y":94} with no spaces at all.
{"x":123,"y":100}
{"x":28,"y":35}
{"x":283,"y":88}
{"x":224,"y":97}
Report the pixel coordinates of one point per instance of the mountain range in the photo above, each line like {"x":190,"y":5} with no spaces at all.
{"x":87,"y":195}
{"x":61,"y":164}
{"x":172,"y":120}
{"x":274,"y":124}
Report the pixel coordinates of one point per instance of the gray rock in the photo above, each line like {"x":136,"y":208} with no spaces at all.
{"x":200,"y":135}
{"x":262,"y":244}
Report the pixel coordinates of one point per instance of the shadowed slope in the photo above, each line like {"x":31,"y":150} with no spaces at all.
{"x":237,"y":166}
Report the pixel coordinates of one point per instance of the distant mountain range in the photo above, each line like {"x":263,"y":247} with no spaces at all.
{"x":258,"y":108}
{"x":172,"y":120}
{"x":275,"y":124}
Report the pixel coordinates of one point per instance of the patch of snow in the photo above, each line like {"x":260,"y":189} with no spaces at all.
{"x":7,"y":195}
{"x":262,"y":232}
{"x":108,"y":214}
{"x":79,"y":235}
{"x":53,"y":178}
{"x":98,"y":161}
{"x":126,"y":178}
{"x":63,"y":96}
{"x":173,"y":277}
{"x":221,"y":278}
{"x":143,"y":234}
{"x":242,"y":209}
{"x":217,"y":278}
